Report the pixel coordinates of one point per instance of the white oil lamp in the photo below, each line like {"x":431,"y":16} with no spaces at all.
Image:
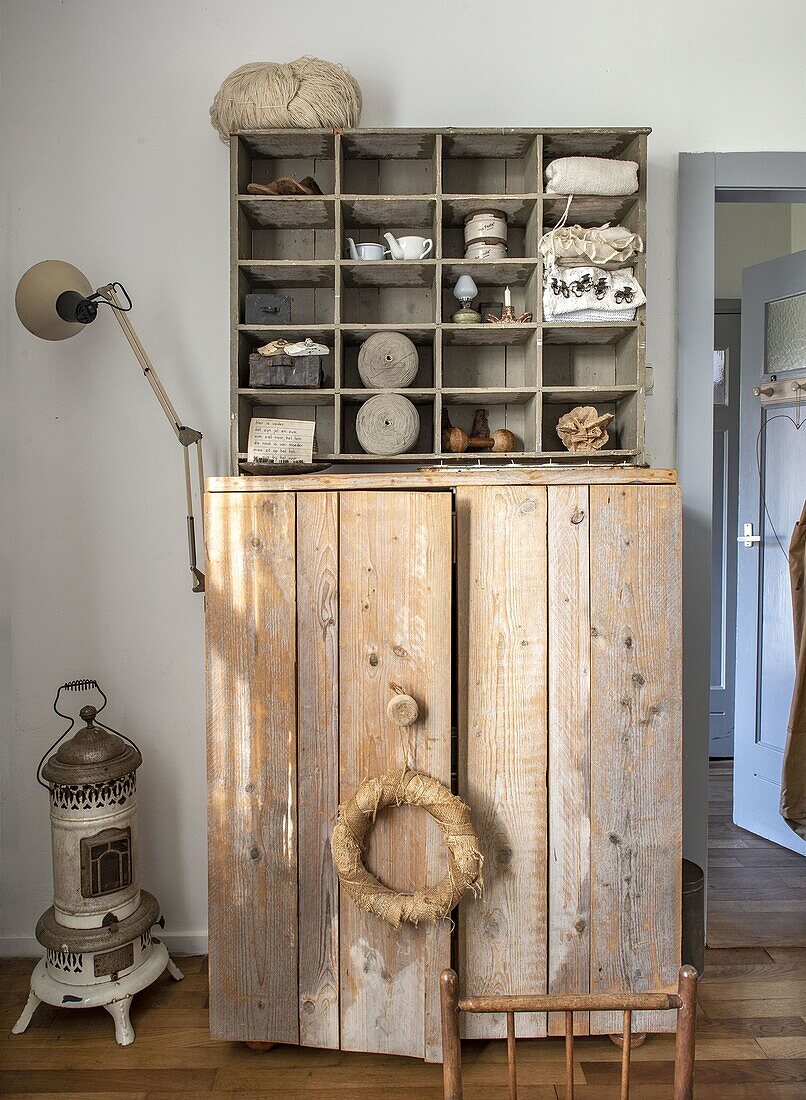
{"x":97,"y":935}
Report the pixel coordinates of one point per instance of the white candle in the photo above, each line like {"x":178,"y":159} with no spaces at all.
{"x":507,"y":297}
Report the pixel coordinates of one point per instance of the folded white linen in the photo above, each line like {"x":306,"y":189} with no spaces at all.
{"x":591,"y":176}
{"x":591,"y":294}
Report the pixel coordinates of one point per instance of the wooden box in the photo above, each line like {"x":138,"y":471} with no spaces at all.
{"x":293,"y":371}
{"x":267,"y":309}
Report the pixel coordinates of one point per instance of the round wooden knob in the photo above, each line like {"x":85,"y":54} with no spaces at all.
{"x":402,"y":709}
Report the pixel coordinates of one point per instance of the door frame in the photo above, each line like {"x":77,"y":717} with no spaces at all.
{"x":705,"y":179}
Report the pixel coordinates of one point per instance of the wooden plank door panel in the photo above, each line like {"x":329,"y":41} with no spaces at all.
{"x":395,"y":627}
{"x":252,"y":754}
{"x":502,"y":654}
{"x":318,"y":765}
{"x":636,"y":796}
{"x":569,"y":818}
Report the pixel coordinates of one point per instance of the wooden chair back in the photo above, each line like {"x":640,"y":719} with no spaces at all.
{"x":684,"y":1001}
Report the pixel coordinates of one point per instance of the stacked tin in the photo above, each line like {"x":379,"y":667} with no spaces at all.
{"x":486,"y":235}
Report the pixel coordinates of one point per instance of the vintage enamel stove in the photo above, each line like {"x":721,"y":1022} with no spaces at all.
{"x":97,"y":935}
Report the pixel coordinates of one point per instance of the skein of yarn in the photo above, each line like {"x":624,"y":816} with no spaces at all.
{"x":267,"y":95}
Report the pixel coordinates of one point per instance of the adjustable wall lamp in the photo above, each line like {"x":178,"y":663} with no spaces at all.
{"x":55,"y":301}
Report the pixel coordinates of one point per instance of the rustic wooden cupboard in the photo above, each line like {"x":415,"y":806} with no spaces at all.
{"x":534,"y":614}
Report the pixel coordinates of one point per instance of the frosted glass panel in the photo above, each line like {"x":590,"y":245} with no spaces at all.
{"x":786,"y":335}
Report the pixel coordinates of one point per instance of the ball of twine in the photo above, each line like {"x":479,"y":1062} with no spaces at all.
{"x":406,"y":787}
{"x":387,"y":424}
{"x":267,"y":95}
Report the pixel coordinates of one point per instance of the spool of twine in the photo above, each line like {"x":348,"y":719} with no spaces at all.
{"x":387,"y":424}
{"x":388,"y":360}
{"x":305,"y":93}
{"x":406,"y":787}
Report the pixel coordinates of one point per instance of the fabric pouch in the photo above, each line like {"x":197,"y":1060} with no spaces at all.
{"x":573,"y":245}
{"x":591,"y":294}
{"x":591,"y":176}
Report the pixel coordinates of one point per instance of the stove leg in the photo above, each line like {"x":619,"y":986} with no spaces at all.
{"x":119,"y":1011}
{"x":174,"y":971}
{"x":25,"y":1019}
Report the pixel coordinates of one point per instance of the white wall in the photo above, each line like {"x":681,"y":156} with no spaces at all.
{"x":748,"y":233}
{"x":109,"y":161}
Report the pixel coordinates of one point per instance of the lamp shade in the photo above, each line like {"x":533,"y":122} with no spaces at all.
{"x":39,"y":290}
{"x":465,"y":289}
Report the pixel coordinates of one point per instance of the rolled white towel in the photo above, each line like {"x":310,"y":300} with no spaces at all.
{"x":591,"y":176}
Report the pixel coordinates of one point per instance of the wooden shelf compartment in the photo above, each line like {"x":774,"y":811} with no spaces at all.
{"x":613,"y":362}
{"x":311,"y":306}
{"x":504,"y":365}
{"x":387,"y":273}
{"x":524,"y":224}
{"x":486,"y":334}
{"x":623,"y":430}
{"x":424,"y":339}
{"x":325,"y":417}
{"x":519,"y":416}
{"x":264,"y":156}
{"x":351,"y":449}
{"x":249,"y":339}
{"x":375,"y":162}
{"x":587,"y":209}
{"x":592,"y":332}
{"x":518,"y":208}
{"x":273,"y":274}
{"x":288,"y":211}
{"x":525,"y":288}
{"x":392,"y":213}
{"x":485,"y":164}
{"x":310,"y":288}
{"x":403,"y":292}
{"x":509,"y":272}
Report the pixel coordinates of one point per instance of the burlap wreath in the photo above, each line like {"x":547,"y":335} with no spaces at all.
{"x":397,"y":788}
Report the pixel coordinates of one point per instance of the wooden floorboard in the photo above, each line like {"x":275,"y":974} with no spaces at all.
{"x":751,"y":1046}
{"x":756,"y":889}
{"x":751,"y":1028}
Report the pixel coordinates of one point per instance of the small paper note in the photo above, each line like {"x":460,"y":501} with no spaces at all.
{"x":274,"y":440}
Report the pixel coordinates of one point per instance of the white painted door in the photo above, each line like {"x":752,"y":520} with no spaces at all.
{"x":727,"y":345}
{"x":772,"y":487}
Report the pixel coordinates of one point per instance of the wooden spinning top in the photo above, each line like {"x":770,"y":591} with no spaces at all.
{"x":456,"y":440}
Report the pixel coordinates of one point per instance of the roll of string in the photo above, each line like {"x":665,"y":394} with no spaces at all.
{"x":305,"y":93}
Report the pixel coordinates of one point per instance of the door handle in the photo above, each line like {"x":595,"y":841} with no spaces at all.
{"x":748,"y":538}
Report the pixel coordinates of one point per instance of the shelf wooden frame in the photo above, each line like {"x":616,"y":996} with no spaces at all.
{"x":425,"y":181}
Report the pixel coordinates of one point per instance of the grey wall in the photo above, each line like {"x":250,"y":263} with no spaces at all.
{"x":109,"y":161}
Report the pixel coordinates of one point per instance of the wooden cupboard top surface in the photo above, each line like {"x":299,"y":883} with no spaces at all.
{"x":445,"y":478}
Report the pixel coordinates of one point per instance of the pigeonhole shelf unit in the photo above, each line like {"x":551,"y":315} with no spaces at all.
{"x":426,"y":182}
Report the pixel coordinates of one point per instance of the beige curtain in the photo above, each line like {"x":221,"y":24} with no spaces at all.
{"x":793,"y":775}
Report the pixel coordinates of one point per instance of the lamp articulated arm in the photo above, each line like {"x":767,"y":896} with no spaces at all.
{"x":186,"y":436}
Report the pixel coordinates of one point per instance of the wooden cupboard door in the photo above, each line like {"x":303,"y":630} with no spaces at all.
{"x":395,"y":628}
{"x":252,"y":755}
{"x":318,"y":765}
{"x":569,"y":803}
{"x":502,"y":655}
{"x":636,"y":753}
